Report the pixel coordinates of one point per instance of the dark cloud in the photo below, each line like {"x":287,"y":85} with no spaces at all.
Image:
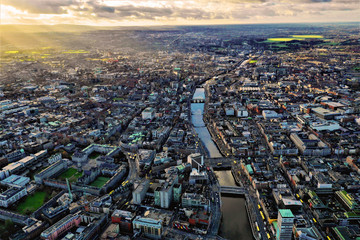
{"x":197,"y":10}
{"x":317,"y":1}
{"x":150,"y":13}
{"x":100,"y":8}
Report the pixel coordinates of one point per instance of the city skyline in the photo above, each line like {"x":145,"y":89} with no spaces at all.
{"x":181,"y":120}
{"x":196,"y":12}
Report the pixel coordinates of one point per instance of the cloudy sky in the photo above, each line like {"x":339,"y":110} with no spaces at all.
{"x":160,"y":12}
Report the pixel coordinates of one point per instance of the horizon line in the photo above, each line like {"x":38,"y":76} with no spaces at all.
{"x":171,"y":25}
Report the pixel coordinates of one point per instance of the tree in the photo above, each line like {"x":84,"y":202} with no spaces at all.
{"x":9,"y":225}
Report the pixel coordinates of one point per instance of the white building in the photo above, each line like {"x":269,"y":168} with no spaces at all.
{"x":229,"y":111}
{"x":241,"y":111}
{"x":140,"y":191}
{"x":54,"y":158}
{"x":12,"y":195}
{"x":270,"y":114}
{"x":152,"y":228}
{"x":148,"y":113}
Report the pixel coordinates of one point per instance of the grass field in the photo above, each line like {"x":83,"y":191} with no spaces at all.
{"x":32,"y":203}
{"x":94,"y":155}
{"x":330,"y":43}
{"x":99,"y":181}
{"x":72,"y":174}
{"x":280,"y":45}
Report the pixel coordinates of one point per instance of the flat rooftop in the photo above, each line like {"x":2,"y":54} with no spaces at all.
{"x":286,"y":213}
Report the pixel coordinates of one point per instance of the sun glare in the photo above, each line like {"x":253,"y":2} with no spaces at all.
{"x":10,"y":14}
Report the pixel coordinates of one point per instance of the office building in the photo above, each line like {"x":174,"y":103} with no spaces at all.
{"x":164,"y":193}
{"x":140,"y":191}
{"x":285,"y":224}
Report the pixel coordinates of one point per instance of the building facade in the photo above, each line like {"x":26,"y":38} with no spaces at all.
{"x":285,"y":224}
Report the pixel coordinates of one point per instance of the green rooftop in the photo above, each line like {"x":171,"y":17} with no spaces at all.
{"x":286,"y":213}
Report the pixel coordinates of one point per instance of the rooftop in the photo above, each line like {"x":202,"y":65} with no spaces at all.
{"x":286,"y":213}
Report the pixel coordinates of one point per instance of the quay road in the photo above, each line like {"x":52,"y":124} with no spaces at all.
{"x":258,"y":231}
{"x":215,"y":205}
{"x":253,"y":210}
{"x":192,"y":235}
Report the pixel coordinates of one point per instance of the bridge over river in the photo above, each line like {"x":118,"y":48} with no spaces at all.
{"x":221,"y":162}
{"x":233,"y":190}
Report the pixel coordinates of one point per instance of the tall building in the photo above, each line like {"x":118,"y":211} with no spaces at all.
{"x":140,"y":191}
{"x":285,"y":224}
{"x":177,"y":192}
{"x":164,"y":193}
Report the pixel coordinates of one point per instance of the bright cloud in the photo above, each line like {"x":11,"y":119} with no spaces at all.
{"x":140,"y":12}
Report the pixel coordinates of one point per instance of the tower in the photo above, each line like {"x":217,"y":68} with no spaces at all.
{"x":69,"y":189}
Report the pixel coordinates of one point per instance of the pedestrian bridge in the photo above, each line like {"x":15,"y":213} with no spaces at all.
{"x":233,"y":190}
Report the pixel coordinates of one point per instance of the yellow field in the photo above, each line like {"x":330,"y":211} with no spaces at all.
{"x":307,"y":36}
{"x":282,"y":39}
{"x":76,"y":51}
{"x":293,"y":37}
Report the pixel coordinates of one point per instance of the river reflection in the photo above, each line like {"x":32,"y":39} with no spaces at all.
{"x":197,"y":120}
{"x":235,"y":223}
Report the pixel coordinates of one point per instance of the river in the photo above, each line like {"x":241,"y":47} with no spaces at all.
{"x":235,"y":223}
